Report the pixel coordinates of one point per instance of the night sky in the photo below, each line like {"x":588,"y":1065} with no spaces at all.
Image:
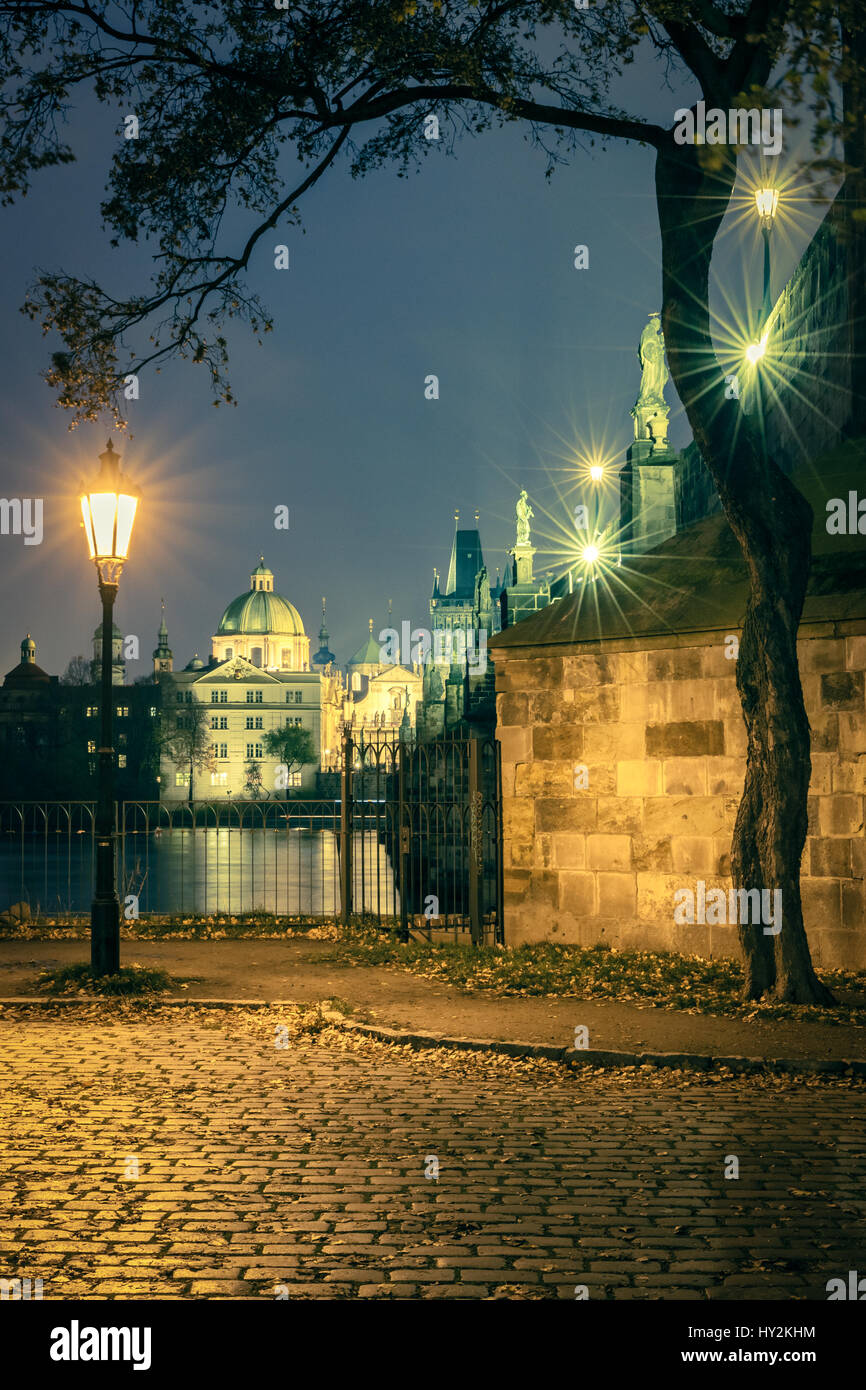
{"x":464,"y":270}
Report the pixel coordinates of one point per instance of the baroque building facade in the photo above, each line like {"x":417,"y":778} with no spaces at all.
{"x":259,"y":679}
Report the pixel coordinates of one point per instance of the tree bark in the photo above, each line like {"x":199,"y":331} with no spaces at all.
{"x":772,"y":522}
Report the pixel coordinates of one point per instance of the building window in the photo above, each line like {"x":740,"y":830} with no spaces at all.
{"x":121,"y":760}
{"x":214,"y":723}
{"x":256,"y":656}
{"x":249,"y":721}
{"x":218,"y":779}
{"x":179,"y":697}
{"x":91,"y":745}
{"x":298,"y":696}
{"x":259,"y":723}
{"x":180,"y":779}
{"x":224,"y":750}
{"x":189,"y":697}
{"x":294,"y":779}
{"x":249,"y":697}
{"x":258,"y":695}
{"x":224,"y":723}
{"x":249,"y":750}
{"x":92,"y":711}
{"x":214,"y":697}
{"x":258,"y":752}
{"x":122,"y":711}
{"x":153,"y":711}
{"x":228,"y":654}
{"x":297,"y":721}
{"x":224,"y":697}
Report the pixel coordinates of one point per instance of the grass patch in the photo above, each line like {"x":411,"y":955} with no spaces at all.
{"x":663,"y":979}
{"x":130,"y":980}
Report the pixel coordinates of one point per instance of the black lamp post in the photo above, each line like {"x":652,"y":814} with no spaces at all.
{"x":766,"y":201}
{"x":108,"y":508}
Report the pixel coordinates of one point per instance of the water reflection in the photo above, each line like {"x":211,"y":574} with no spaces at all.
{"x":286,"y":871}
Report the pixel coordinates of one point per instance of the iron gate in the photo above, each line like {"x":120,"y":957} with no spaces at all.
{"x":436,"y":809}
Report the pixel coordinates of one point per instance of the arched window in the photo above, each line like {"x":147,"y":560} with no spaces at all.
{"x":256,"y":656}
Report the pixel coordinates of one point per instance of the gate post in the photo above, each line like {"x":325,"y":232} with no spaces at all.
{"x":476,"y":845}
{"x":346,"y":808}
{"x":403,"y":839}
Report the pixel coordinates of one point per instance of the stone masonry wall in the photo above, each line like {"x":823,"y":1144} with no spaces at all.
{"x":658,"y":727}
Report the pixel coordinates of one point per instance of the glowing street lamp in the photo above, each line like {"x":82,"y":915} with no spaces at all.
{"x":596,"y":472}
{"x":755,"y":351}
{"x":766,"y":201}
{"x":589,"y":554}
{"x":108,"y":509}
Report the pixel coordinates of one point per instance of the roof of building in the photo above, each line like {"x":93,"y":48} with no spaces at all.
{"x":369,"y":653}
{"x":26,"y":674}
{"x":696,"y":581}
{"x":466,"y":560}
{"x":259,"y":612}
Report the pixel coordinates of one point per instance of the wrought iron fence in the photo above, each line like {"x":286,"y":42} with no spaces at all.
{"x":414,"y":839}
{"x":436,"y":809}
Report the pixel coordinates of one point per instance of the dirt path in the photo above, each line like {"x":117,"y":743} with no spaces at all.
{"x":258,"y":968}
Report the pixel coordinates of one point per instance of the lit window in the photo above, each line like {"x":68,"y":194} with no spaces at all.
{"x":298,"y":721}
{"x":92,"y":711}
{"x":121,"y":760}
{"x":218,"y":779}
{"x":294,"y":779}
{"x":153,"y":711}
{"x":285,"y":658}
{"x":91,"y":746}
{"x":180,"y":779}
{"x":123,"y":711}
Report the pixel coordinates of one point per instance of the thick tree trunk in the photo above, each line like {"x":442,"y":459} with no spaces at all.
{"x":772,"y":522}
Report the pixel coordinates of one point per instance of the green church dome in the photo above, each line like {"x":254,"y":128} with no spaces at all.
{"x":260,"y":610}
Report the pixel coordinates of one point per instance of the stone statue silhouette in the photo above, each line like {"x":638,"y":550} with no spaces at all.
{"x":524,"y":512}
{"x":435,"y":684}
{"x":652,"y":360}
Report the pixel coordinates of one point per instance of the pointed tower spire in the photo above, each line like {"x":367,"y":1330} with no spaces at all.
{"x":163,"y":657}
{"x":324,"y":656}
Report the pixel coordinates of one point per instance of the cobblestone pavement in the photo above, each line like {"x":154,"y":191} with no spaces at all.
{"x":300,"y":1170}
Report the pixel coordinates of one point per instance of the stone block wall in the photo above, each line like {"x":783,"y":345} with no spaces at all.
{"x":654,"y":730}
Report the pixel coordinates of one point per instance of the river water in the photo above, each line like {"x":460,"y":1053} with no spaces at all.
{"x":202,"y":871}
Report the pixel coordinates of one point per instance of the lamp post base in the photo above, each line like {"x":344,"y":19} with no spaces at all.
{"x":105,"y":936}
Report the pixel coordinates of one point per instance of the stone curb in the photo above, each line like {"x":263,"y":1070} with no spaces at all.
{"x":569,"y":1056}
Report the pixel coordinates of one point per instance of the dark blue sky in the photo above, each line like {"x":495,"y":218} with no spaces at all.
{"x":464,"y":270}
